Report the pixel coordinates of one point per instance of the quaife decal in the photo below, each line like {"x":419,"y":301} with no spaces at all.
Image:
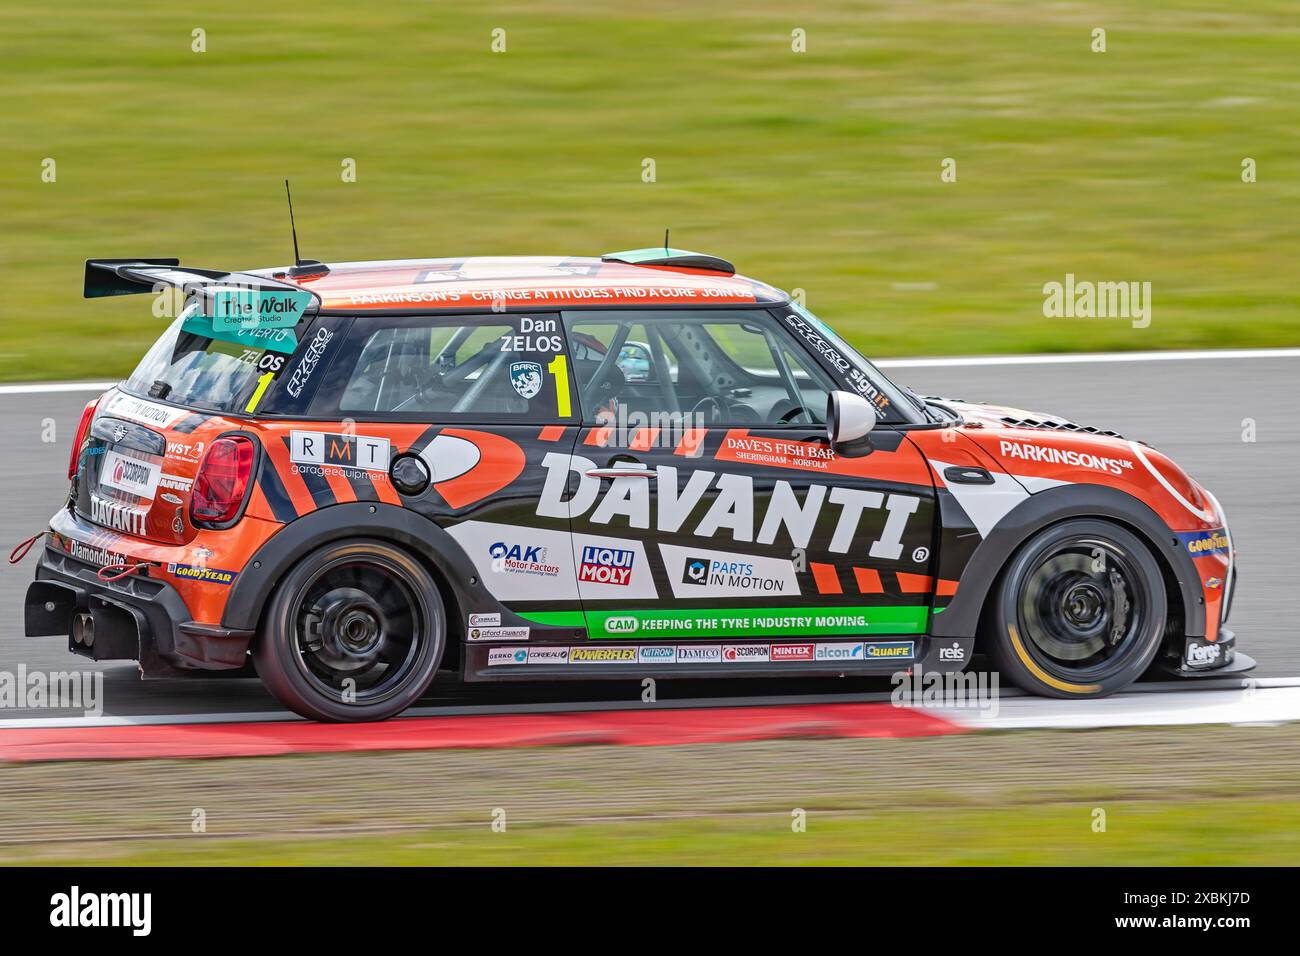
{"x":315,"y":349}
{"x":526,"y":378}
{"x":341,"y":453}
{"x":1200,"y":544}
{"x":903,"y":650}
{"x":696,"y":573}
{"x":194,"y":572}
{"x":119,"y":517}
{"x":1026,"y":451}
{"x":130,"y":475}
{"x":731,"y":510}
{"x":757,"y":622}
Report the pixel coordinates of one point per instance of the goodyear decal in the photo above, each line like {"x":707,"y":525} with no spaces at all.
{"x":1201,"y":544}
{"x":195,"y":572}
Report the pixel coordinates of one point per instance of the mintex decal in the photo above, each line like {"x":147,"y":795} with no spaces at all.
{"x":325,"y":453}
{"x":130,"y":474}
{"x":697,"y":573}
{"x":194,"y":572}
{"x":731,"y":506}
{"x":1201,"y":544}
{"x":146,"y":413}
{"x":1027,"y":451}
{"x":756,"y":622}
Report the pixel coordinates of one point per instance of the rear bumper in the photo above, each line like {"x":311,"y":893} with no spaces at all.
{"x":135,"y":618}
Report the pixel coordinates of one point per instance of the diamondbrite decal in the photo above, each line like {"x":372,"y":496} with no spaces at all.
{"x":753,"y":622}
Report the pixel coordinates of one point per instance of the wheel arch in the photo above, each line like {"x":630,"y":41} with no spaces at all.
{"x":445,"y":560}
{"x":1046,"y":508}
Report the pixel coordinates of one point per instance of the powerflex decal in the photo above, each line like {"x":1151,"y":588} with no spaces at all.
{"x":130,"y":474}
{"x":1027,"y":451}
{"x":602,"y":655}
{"x":756,"y":622}
{"x":698,"y":573}
{"x":731,"y":510}
{"x":146,"y":413}
{"x":1202,"y":544}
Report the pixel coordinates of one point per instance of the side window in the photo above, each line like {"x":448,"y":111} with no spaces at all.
{"x":721,"y":367}
{"x":494,"y":368}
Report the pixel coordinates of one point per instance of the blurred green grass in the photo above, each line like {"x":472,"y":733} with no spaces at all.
{"x":818,"y":170}
{"x":1137,"y":834}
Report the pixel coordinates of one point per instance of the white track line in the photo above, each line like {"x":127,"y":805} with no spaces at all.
{"x":973,"y":361}
{"x":1145,"y":700}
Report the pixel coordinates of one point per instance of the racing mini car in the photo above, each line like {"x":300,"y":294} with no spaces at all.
{"x":350,"y":476}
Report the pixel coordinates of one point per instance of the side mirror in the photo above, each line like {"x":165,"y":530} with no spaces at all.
{"x":848,"y":417}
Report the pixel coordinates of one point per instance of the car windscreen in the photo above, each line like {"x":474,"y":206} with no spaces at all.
{"x":185,"y":368}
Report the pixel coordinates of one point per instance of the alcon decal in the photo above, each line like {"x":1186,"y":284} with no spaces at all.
{"x":731,"y":511}
{"x":1024,"y":451}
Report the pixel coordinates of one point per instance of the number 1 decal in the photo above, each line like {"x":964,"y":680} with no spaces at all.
{"x":559,"y":368}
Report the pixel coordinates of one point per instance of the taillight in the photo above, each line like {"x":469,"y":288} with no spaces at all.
{"x":222,"y":481}
{"x":83,"y":428}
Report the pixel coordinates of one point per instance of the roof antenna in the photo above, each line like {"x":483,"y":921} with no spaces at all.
{"x":665,"y":241}
{"x":301,"y":266}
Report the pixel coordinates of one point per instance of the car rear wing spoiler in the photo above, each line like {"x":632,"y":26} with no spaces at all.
{"x":106,"y":277}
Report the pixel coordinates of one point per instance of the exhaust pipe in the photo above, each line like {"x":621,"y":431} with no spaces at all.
{"x":83,"y":629}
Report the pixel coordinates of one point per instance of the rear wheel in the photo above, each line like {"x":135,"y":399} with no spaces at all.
{"x":354,"y":632}
{"x":1079,"y":612}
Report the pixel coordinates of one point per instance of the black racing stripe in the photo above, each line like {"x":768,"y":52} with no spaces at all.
{"x":426,"y":436}
{"x":362,"y":485}
{"x":318,"y":487}
{"x":277,"y":496}
{"x":189,"y":423}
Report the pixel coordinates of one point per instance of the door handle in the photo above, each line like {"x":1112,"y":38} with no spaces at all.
{"x":967,"y":475}
{"x":626,"y":471}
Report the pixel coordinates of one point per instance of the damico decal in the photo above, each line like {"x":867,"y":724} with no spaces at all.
{"x":606,"y":565}
{"x":130,"y":475}
{"x":699,"y":653}
{"x":338,"y":453}
{"x":194,"y":572}
{"x":315,"y":349}
{"x":1201,"y":544}
{"x":731,"y":510}
{"x":1026,"y":451}
{"x":695,"y":573}
{"x":119,"y":517}
{"x":146,"y":413}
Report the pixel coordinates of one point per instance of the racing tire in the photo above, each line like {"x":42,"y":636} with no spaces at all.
{"x":1078,"y":612}
{"x":354,"y":632}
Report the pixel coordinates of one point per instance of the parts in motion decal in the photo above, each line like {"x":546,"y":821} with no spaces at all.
{"x":696,"y":573}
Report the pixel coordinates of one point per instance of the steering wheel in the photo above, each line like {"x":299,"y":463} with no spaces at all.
{"x":791,"y":413}
{"x":719,"y":410}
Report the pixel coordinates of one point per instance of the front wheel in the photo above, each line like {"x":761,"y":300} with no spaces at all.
{"x":1079,"y":612}
{"x":354,"y":632}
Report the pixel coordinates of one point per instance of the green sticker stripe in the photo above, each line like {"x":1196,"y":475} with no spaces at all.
{"x":705,"y":623}
{"x":555,"y":618}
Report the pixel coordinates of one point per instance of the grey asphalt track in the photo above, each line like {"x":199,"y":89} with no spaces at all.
{"x":1192,"y":409}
